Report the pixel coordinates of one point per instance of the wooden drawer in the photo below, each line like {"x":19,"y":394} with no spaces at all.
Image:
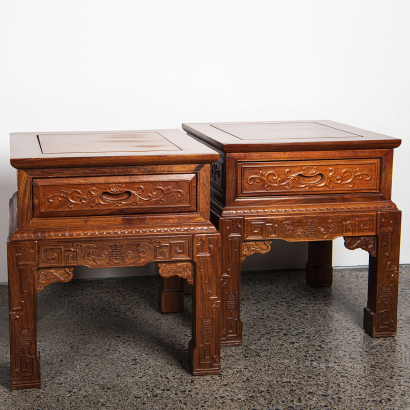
{"x":308,"y":177}
{"x":114,"y":195}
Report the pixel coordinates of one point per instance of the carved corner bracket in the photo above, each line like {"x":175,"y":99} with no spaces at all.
{"x":48,"y":276}
{"x":367,"y":243}
{"x":251,"y":247}
{"x":182,"y":269}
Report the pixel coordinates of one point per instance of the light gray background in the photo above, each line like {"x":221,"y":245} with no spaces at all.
{"x":112,"y":65}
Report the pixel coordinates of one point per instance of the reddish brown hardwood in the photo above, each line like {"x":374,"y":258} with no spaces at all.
{"x":304,"y":181}
{"x":24,"y":359}
{"x":108,"y":200}
{"x":289,"y":177}
{"x":204,"y":348}
{"x":380,"y":315}
{"x":46,"y":277}
{"x":111,"y":195}
{"x":33,"y":150}
{"x":171,"y":295}
{"x":319,"y":270}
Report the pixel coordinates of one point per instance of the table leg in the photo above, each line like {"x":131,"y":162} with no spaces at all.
{"x":204,"y":348}
{"x":24,"y":358}
{"x":171,"y":295}
{"x":231,"y":237}
{"x":319,"y":270}
{"x":380,"y":315}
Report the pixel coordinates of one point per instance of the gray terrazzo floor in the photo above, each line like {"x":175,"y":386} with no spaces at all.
{"x":104,"y":345}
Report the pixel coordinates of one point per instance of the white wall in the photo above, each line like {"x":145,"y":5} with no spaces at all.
{"x":107,"y":65}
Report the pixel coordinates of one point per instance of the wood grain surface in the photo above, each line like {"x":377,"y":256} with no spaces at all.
{"x":288,"y":136}
{"x":310,"y":181}
{"x":112,"y":199}
{"x":110,"y":148}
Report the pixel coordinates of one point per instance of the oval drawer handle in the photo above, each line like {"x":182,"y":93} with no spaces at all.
{"x":310,"y":179}
{"x":110,"y":197}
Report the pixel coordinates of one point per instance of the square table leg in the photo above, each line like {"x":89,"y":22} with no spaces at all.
{"x":319,"y":269}
{"x":231,"y":238}
{"x":380,"y":315}
{"x":171,"y":295}
{"x":204,"y":348}
{"x":24,"y":358}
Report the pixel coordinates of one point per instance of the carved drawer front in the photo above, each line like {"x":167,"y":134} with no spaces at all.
{"x":314,"y":176}
{"x":54,"y":197}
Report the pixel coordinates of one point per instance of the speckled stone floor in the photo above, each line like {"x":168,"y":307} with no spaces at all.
{"x":104,"y":345}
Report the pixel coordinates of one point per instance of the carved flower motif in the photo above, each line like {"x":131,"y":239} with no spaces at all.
{"x":116,"y":188}
{"x":309,"y":170}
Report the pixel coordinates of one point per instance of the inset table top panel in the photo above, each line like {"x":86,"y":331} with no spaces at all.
{"x":282,"y":131}
{"x":288,"y":136}
{"x":131,"y":141}
{"x":114,"y":148}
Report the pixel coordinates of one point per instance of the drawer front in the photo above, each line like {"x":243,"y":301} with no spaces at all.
{"x":54,"y":197}
{"x":308,"y":177}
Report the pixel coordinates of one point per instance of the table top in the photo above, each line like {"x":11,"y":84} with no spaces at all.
{"x":288,"y":136}
{"x":107,"y":148}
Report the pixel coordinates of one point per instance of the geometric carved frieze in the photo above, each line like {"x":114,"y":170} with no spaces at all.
{"x":251,"y":247}
{"x":182,"y":269}
{"x":130,"y":252}
{"x":367,"y":243}
{"x":48,"y":276}
{"x":315,"y":227}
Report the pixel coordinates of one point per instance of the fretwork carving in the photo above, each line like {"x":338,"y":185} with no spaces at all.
{"x":46,"y":277}
{"x":94,"y":254}
{"x":182,"y":269}
{"x":233,"y":227}
{"x":367,"y":243}
{"x":251,"y":247}
{"x":318,"y":227}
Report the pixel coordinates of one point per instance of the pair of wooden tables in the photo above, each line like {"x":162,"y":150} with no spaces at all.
{"x":112,"y":199}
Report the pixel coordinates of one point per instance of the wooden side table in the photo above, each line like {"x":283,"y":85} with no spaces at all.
{"x":111,"y":199}
{"x":304,"y":181}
